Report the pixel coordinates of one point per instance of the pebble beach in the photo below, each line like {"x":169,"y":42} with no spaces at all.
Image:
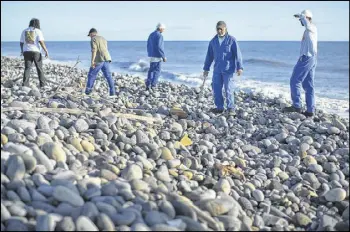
{"x":160,"y":161}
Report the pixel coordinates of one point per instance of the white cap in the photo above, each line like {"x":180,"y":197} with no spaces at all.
{"x":160,"y":26}
{"x":307,"y":13}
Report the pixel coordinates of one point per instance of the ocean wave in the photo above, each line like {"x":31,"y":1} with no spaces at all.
{"x":330,"y":105}
{"x":267,"y":62}
{"x":141,"y":66}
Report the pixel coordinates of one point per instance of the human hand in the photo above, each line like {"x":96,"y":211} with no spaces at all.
{"x":297,"y":15}
{"x":164,"y":59}
{"x":239,"y":72}
{"x":46,"y":54}
{"x":21,"y":54}
{"x":205,"y":73}
{"x":93,"y":65}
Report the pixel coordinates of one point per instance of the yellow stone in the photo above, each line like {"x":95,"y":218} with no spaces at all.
{"x":309,"y":160}
{"x":152,"y":132}
{"x":185,"y":200}
{"x":173,"y":172}
{"x":186,"y":141}
{"x":4,"y":139}
{"x":240,"y":162}
{"x":303,"y":154}
{"x":250,"y":186}
{"x":128,"y":104}
{"x":188,"y":174}
{"x":276,"y":171}
{"x":76,"y":143}
{"x":198,"y":178}
{"x":112,"y":168}
{"x":312,"y":194}
{"x":91,"y":139}
{"x":283,"y":175}
{"x":182,"y":167}
{"x":166,"y":153}
{"x":103,"y":181}
{"x":87,"y":146}
{"x":53,"y":104}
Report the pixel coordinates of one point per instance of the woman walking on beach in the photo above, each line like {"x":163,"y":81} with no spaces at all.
{"x":31,"y":37}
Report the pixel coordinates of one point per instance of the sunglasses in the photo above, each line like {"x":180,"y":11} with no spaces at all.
{"x":219,"y":29}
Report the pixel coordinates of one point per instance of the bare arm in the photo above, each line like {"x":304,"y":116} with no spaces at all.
{"x":21,"y":45}
{"x":42,"y":44}
{"x":21,"y":42}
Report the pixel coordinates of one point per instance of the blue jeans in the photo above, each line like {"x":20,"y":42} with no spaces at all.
{"x":223,"y":80}
{"x":303,"y":76}
{"x":104,"y":66}
{"x":153,"y":74}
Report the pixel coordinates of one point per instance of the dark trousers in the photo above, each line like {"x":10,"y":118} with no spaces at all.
{"x":29,"y":58}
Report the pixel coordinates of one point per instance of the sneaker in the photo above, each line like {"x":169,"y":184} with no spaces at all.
{"x":216,"y":111}
{"x":308,"y":114}
{"x":290,"y":109}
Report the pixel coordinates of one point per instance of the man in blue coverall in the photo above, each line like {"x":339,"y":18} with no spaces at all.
{"x":155,"y":50}
{"x":304,"y":71}
{"x":223,"y":49}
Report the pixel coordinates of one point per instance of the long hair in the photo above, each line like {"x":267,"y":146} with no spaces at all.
{"x":34,"y":23}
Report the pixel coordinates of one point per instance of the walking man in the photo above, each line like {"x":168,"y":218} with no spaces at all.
{"x":304,"y":71}
{"x":30,"y":39}
{"x":155,"y":50}
{"x":100,"y":60}
{"x":223,"y":49}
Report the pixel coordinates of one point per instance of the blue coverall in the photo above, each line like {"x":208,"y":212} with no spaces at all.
{"x":304,"y":71}
{"x":155,"y":48}
{"x":228,"y":59}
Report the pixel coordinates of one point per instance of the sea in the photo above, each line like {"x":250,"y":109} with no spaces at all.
{"x":268,"y":65}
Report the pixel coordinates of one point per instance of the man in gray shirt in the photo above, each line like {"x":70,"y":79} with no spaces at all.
{"x":304,"y":71}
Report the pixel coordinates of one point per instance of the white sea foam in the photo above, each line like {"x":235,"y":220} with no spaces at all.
{"x":334,"y":106}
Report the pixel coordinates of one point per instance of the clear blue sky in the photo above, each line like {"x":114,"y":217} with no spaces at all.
{"x":70,"y":21}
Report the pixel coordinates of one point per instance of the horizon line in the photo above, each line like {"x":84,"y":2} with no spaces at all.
{"x":183,"y":41}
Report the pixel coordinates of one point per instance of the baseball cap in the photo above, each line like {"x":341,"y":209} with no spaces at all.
{"x":307,"y":13}
{"x":92,"y":30}
{"x":221,"y":23}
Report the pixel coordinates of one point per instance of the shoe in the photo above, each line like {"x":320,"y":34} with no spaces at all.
{"x":308,"y":114}
{"x":290,"y":109}
{"x":216,"y":111}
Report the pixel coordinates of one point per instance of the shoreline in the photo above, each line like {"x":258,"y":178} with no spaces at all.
{"x":338,"y":107}
{"x":158,"y":161}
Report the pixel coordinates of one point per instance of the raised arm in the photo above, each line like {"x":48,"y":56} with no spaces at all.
{"x":209,"y":58}
{"x":307,"y":24}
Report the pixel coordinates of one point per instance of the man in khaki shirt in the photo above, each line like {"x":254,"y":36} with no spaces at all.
{"x":100,"y":60}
